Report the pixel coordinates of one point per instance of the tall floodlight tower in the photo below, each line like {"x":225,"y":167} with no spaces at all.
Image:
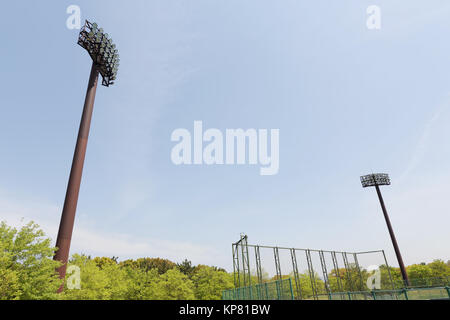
{"x":105,"y":60}
{"x":382,"y":179}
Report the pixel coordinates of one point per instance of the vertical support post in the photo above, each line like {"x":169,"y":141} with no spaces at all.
{"x":267,"y":291}
{"x":324,"y":271}
{"x":245,"y":263}
{"x":394,"y":240}
{"x":337,"y":271}
{"x":311,"y":274}
{"x":389,"y":270}
{"x":258,"y":264}
{"x":258,"y":271}
{"x":237,"y":278}
{"x":405,"y":292}
{"x":361,"y":281}
{"x":279,"y":283}
{"x":234,"y":265}
{"x":347,"y":271}
{"x":73,"y":187}
{"x":290,"y":287}
{"x":296,"y":276}
{"x":248,"y":263}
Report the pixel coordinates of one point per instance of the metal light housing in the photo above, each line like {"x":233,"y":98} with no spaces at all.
{"x":375,"y":179}
{"x":102,"y":51}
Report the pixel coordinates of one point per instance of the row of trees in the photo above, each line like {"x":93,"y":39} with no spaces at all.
{"x":145,"y":278}
{"x":27,"y":271}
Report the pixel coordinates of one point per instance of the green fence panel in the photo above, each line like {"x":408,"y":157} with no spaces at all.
{"x":403,"y":294}
{"x":274,"y":290}
{"x":283,"y":290}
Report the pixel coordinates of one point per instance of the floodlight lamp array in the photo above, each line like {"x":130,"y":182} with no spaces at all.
{"x":375,"y":179}
{"x":102,"y":51}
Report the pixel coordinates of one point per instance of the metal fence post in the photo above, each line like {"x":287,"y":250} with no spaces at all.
{"x":296,"y":276}
{"x":374,"y":295}
{"x":278,"y":290}
{"x":361,"y":285}
{"x":292,"y":291}
{"x":311,"y":274}
{"x":237,"y":279}
{"x":389,"y":270}
{"x":279,"y":283}
{"x":267,"y":291}
{"x":323,"y":264}
{"x":338,"y":276}
{"x":405,"y":292}
{"x":258,"y":270}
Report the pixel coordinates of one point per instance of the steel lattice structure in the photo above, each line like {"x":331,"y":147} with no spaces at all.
{"x":102,"y":51}
{"x":375,"y":179}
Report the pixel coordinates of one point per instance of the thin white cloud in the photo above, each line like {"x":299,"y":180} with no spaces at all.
{"x":421,"y":146}
{"x":92,"y":242}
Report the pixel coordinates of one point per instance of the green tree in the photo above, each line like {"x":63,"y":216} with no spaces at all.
{"x":174,"y":285}
{"x":419,"y":271}
{"x":186,"y":267}
{"x":102,"y":261}
{"x":210,"y":282}
{"x":27,"y":268}
{"x":395,"y":274}
{"x":351,"y":280}
{"x":146,"y":264}
{"x":419,"y":274}
{"x":439,"y":268}
{"x":142,"y":285}
{"x":105,"y":283}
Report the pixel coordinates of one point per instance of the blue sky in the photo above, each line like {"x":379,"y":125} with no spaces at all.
{"x":347,"y":100}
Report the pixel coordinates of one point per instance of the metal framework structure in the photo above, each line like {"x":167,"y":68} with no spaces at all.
{"x":243,"y":275}
{"x":102,"y":51}
{"x":375,"y":179}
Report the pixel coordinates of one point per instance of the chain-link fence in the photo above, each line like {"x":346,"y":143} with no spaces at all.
{"x":431,"y":293}
{"x":282,"y":290}
{"x":313,"y":273}
{"x":273,"y":290}
{"x":280,"y":273}
{"x":425,"y":282}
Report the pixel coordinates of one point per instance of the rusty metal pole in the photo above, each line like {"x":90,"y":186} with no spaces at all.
{"x":73,"y":187}
{"x":394,"y":241}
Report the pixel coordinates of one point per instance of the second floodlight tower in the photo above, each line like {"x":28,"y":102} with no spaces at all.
{"x":105,"y":60}
{"x":382,"y":179}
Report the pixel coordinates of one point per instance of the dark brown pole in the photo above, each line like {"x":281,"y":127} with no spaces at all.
{"x":394,"y":241}
{"x":73,"y":187}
